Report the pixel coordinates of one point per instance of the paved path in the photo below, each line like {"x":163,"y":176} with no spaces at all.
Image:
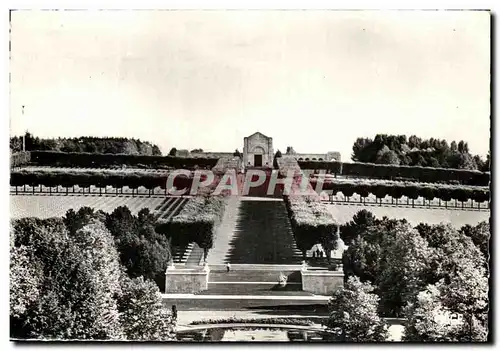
{"x":225,"y":232}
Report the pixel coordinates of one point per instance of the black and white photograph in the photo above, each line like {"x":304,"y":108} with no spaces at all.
{"x":213,"y":176}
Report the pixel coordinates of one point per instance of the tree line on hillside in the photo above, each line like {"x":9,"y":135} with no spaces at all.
{"x":415,"y":151}
{"x":88,"y":275}
{"x":391,"y":171}
{"x":95,"y":145}
{"x":434,"y":276}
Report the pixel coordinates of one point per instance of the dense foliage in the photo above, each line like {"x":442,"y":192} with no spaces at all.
{"x":104,"y":145}
{"x":312,"y":223}
{"x":354,"y":314}
{"x":142,"y":313}
{"x":196,"y":222}
{"x":480,"y":235}
{"x":426,"y":274}
{"x":141,"y":250}
{"x":415,"y":151}
{"x":67,"y":283}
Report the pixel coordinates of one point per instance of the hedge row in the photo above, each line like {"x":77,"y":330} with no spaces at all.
{"x":312,"y":224}
{"x":20,"y":159}
{"x":381,"y":171}
{"x":196,"y":222}
{"x":411,"y":190}
{"x":102,"y":178}
{"x":76,"y":159}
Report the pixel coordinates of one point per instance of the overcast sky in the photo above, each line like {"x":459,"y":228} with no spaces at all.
{"x":314,"y":80}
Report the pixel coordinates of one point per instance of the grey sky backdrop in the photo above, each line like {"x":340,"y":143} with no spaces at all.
{"x":315,"y":80}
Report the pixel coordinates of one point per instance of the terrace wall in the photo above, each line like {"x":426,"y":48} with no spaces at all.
{"x":186,"y":280}
{"x":322,"y":282}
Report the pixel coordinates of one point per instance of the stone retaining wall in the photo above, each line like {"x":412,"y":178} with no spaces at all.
{"x":186,"y":280}
{"x":322,"y":282}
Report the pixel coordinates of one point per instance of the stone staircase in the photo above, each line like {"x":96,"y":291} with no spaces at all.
{"x":253,"y":282}
{"x":263,"y":235}
{"x":225,"y":232}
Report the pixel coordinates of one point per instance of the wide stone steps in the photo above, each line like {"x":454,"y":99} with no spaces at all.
{"x":263,"y":235}
{"x":195,"y":255}
{"x":224,"y":234}
{"x":235,"y":288}
{"x":253,"y":276}
{"x":283,"y":304}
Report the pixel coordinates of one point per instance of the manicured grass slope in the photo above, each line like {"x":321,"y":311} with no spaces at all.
{"x":457,"y":218}
{"x":46,"y":206}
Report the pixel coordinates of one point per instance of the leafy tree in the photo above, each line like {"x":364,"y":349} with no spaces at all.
{"x":433,"y":162}
{"x":142,"y":313}
{"x":77,"y":220}
{"x":70,"y":285}
{"x":403,"y":270}
{"x":77,"y":276}
{"x":237,"y":153}
{"x":156,"y":150}
{"x":365,"y":255}
{"x":275,"y":160}
{"x":25,"y":281}
{"x":464,"y":297}
{"x":173,"y":152}
{"x":487,"y":164}
{"x":360,"y":221}
{"x":354,"y":314}
{"x":466,"y":161}
{"x":387,"y":156}
{"x":87,"y":144}
{"x":428,"y":320}
{"x":142,"y":251}
{"x":362,"y":259}
{"x":480,"y":235}
{"x":414,"y":151}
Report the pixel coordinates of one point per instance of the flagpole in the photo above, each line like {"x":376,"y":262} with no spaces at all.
{"x":24,"y":135}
